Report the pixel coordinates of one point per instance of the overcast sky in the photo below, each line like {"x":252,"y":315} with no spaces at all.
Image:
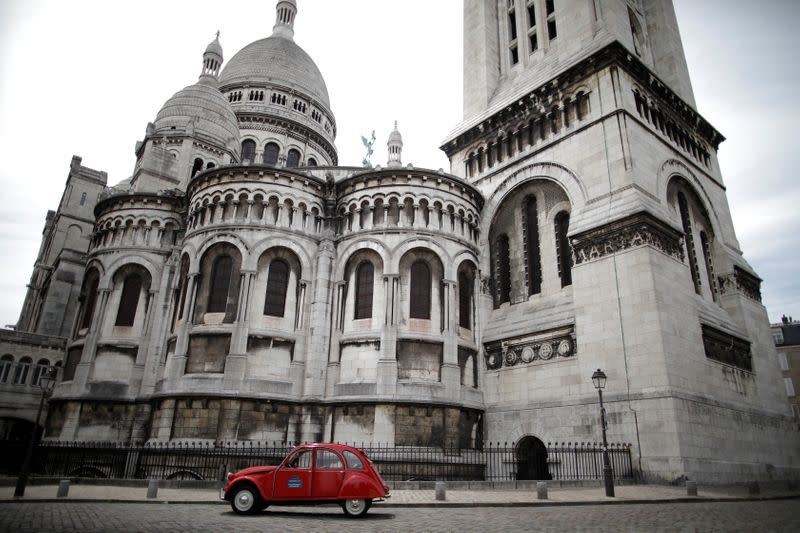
{"x":85,"y":78}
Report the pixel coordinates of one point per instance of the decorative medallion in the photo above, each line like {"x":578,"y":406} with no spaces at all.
{"x":511,"y":358}
{"x":546,"y":351}
{"x":527,"y":354}
{"x":564,"y":347}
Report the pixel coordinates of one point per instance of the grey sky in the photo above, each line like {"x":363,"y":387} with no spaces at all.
{"x":85,"y":77}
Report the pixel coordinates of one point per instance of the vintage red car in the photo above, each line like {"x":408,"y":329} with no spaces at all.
{"x":310,"y":474}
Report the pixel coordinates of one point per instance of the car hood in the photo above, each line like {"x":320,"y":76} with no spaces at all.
{"x":254,"y":470}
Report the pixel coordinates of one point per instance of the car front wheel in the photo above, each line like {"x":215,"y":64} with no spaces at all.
{"x":356,"y":508}
{"x":245,"y":500}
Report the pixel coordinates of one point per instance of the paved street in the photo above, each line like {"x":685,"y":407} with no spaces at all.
{"x":765,"y":516}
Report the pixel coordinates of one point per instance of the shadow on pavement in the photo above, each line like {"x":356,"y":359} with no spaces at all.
{"x":370,"y":516}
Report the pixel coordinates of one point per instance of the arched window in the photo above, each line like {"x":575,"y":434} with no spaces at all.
{"x":197,"y":167}
{"x":248,"y":150}
{"x":21,"y":375}
{"x":503,"y":270}
{"x":683,"y":206}
{"x":210,"y":165}
{"x":184,"y":283}
{"x":129,"y":300}
{"x":532,"y":241}
{"x":293,"y":159}
{"x":277,"y":285}
{"x":464,"y":300}
{"x":6,"y":362}
{"x":41,"y":369}
{"x":365,"y":279}
{"x":89,"y":299}
{"x":311,"y":162}
{"x":83,"y":198}
{"x":420,"y":301}
{"x":220,"y":283}
{"x":271,"y":154}
{"x":562,"y":248}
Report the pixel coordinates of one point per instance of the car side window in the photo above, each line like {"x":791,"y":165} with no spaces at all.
{"x":301,"y":459}
{"x":352,"y":460}
{"x":328,"y":459}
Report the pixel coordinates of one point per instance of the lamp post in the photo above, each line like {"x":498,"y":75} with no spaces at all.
{"x":599,"y":381}
{"x":46,"y":382}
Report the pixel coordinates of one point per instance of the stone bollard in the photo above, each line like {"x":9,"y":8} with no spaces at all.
{"x":63,"y":488}
{"x":441,"y":490}
{"x":541,"y":490}
{"x":152,"y":489}
{"x":753,"y":489}
{"x":691,"y":488}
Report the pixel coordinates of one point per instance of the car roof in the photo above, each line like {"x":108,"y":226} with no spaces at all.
{"x":333,"y":445}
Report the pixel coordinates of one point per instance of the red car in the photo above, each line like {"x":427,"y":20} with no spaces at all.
{"x":310,"y":474}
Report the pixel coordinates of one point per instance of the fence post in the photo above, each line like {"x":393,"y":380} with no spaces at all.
{"x":541,"y":490}
{"x":63,"y":488}
{"x":441,"y":491}
{"x":152,"y":489}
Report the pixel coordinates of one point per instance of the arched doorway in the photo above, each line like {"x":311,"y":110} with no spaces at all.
{"x":532,"y":459}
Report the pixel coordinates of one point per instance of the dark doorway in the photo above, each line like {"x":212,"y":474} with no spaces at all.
{"x":532,"y":459}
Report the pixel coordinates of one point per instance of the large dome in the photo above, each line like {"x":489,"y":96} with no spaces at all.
{"x":279,"y":61}
{"x":204,"y":105}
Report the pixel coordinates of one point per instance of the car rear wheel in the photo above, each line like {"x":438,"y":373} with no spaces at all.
{"x":245,"y":500}
{"x":356,"y":508}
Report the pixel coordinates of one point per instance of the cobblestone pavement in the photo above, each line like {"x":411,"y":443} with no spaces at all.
{"x":782,"y":515}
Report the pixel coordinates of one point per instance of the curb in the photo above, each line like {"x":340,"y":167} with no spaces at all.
{"x":438,"y":505}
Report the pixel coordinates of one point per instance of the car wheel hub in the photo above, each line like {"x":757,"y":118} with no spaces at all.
{"x":244,"y":500}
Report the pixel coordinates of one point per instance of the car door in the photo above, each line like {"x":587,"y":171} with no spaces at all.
{"x":328,"y":473}
{"x":293,"y":477}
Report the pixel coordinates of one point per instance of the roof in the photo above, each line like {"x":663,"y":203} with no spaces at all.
{"x":276,"y":60}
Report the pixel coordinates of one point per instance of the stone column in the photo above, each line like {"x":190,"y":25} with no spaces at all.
{"x":248,"y":216}
{"x":451,"y":372}
{"x":386,"y":215}
{"x":387,"y":362}
{"x":319,"y":324}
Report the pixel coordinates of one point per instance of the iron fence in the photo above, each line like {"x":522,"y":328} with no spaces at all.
{"x":206,"y":460}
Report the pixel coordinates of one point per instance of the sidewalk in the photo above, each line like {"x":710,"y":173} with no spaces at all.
{"x":422,"y":498}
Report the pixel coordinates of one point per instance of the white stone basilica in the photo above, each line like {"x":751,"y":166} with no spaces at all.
{"x":242,"y":286}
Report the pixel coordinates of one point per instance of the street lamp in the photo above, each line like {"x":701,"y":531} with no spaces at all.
{"x":599,"y":381}
{"x":47,"y":381}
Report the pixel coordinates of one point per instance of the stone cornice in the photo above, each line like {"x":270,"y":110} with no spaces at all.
{"x":741,"y":281}
{"x":544,"y":95}
{"x":111,"y":202}
{"x":639,"y":229}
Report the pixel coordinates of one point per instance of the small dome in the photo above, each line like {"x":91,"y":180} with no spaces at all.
{"x":201,"y":109}
{"x":279,"y":61}
{"x":214,"y":47}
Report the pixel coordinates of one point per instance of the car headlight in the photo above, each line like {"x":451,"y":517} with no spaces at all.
{"x":230,"y":476}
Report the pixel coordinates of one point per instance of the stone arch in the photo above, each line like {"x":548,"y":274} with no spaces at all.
{"x":216,"y":238}
{"x":354,"y":247}
{"x":673,"y":168}
{"x":251,"y":261}
{"x":393,"y":266}
{"x":559,"y":174}
{"x":106,"y":281}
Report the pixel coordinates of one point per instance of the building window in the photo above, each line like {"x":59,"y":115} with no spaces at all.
{"x":464,"y":300}
{"x":503,"y":270}
{"x":197,"y":166}
{"x":787,"y":382}
{"x":512,"y":35}
{"x":562,"y":248}
{"x":83,"y":198}
{"x":365,"y":276}
{"x":220,"y":284}
{"x":271,"y":154}
{"x":777,"y":336}
{"x":551,"y":19}
{"x":293,"y":159}
{"x":532,"y":243}
{"x":6,"y":362}
{"x":41,"y":369}
{"x":420,"y":301}
{"x":277,"y":285}
{"x":533,"y":41}
{"x":129,"y":300}
{"x":21,"y":374}
{"x":248,"y":151}
{"x":311,"y":162}
{"x":783,"y":363}
{"x":89,"y":299}
{"x":683,"y":206}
